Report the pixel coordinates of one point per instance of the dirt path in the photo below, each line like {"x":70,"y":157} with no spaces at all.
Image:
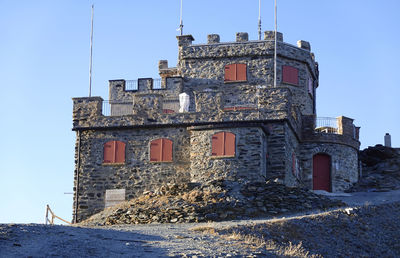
{"x":152,"y":240}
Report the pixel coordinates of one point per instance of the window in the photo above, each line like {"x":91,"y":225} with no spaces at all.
{"x":161,"y":150}
{"x":310,"y":86}
{"x":290,"y":75}
{"x":223,"y":144}
{"x":114,"y":152}
{"x":235,"y":72}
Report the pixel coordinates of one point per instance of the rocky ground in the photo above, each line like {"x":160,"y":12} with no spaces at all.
{"x":368,"y":231}
{"x":214,"y":201}
{"x":291,"y":222}
{"x":380,"y":169}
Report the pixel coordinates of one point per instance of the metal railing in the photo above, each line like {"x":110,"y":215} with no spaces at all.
{"x":134,"y":84}
{"x":131,"y":85}
{"x":157,"y":84}
{"x":117,"y":108}
{"x":326,"y":125}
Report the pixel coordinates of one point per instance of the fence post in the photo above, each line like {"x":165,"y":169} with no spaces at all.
{"x":47,"y":214}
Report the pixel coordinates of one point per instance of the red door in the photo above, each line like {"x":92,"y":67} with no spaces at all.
{"x":322,"y":172}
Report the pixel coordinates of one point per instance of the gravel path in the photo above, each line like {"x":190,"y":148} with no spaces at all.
{"x":180,"y":240}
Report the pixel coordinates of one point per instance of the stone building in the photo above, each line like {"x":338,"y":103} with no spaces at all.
{"x":236,"y":126}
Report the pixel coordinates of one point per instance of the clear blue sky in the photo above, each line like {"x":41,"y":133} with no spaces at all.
{"x":44,"y":62}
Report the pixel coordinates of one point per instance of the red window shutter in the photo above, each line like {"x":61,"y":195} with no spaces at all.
{"x":217,"y":145}
{"x":168,"y":111}
{"x":166,"y":150}
{"x":290,"y":75}
{"x":230,"y":72}
{"x":155,"y":150}
{"x":241,"y":72}
{"x":229,"y":144}
{"x":108,"y":152}
{"x":119,"y":152}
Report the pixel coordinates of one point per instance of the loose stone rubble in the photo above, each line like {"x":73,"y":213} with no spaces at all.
{"x":380,"y":169}
{"x":213,"y":201}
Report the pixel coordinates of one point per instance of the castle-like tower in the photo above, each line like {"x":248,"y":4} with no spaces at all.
{"x":231,"y":123}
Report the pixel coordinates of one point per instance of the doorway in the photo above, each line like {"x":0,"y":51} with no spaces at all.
{"x":322,"y":172}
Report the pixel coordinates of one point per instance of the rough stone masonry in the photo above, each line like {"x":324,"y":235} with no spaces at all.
{"x":239,"y":127}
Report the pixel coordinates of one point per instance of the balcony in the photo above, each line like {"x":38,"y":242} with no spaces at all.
{"x":326,"y":125}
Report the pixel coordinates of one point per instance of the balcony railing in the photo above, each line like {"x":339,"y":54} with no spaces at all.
{"x":134,"y":85}
{"x":131,"y":85}
{"x":326,"y":125}
{"x":117,"y":108}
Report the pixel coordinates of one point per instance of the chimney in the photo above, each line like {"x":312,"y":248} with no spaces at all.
{"x":388,"y":140}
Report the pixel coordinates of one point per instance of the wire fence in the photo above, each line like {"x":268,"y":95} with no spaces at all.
{"x":117,"y":108}
{"x":327,"y":125}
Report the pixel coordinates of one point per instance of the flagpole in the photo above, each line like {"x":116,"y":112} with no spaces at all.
{"x":275,"y":48}
{"x":181,"y":20}
{"x":259,"y":19}
{"x":91,"y":55}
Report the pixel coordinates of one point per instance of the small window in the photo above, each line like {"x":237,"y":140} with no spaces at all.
{"x":310,"y":86}
{"x":223,"y":144}
{"x":114,"y":152}
{"x":290,"y":75}
{"x":235,"y":72}
{"x":161,"y":150}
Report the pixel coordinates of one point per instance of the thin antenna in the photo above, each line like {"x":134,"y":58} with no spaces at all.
{"x":91,"y":55}
{"x":276,"y":29}
{"x":181,"y":20}
{"x":259,"y":19}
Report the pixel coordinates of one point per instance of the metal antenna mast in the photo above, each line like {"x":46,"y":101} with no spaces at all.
{"x":259,"y":19}
{"x":276,"y":29}
{"x":181,"y":20}
{"x":91,"y":54}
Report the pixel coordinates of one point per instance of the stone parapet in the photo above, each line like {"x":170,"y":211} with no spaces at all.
{"x":346,"y":132}
{"x":213,"y":38}
{"x":270,"y":35}
{"x":242,"y":37}
{"x":86,"y":109}
{"x":209,"y":106}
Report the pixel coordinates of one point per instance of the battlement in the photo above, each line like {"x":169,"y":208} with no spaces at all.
{"x":217,"y":115}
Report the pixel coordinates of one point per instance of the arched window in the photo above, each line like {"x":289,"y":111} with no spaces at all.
{"x":223,"y":144}
{"x":114,"y":152}
{"x":290,"y":75}
{"x":235,"y":72}
{"x":161,"y":150}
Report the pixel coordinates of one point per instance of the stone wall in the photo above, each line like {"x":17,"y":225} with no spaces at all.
{"x":248,"y":164}
{"x":137,"y":174}
{"x":344,"y":164}
{"x":202,"y":66}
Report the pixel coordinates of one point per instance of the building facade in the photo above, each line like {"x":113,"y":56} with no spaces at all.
{"x":232,"y":123}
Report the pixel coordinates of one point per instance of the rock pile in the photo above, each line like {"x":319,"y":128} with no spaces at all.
{"x":380,"y":169}
{"x":214,"y":201}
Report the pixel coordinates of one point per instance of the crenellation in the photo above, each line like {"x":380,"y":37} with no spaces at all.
{"x":213,"y":39}
{"x":239,"y":127}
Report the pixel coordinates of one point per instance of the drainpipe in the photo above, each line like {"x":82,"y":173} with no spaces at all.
{"x":77,"y":178}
